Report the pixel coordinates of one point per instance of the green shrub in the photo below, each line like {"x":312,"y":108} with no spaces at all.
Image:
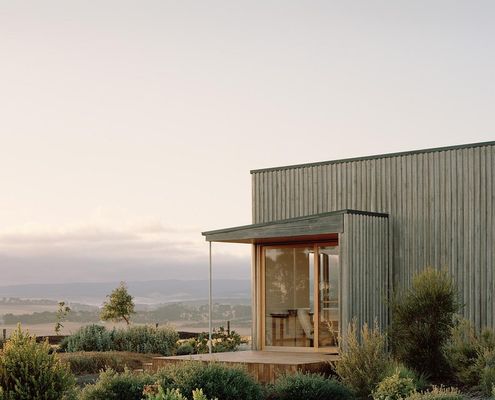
{"x":114,"y":386}
{"x":29,"y":371}
{"x":82,"y":363}
{"x":423,"y":318}
{"x":173,"y":394}
{"x":216,"y":380}
{"x":139,"y":339}
{"x":420,"y":380}
{"x":437,"y":393}
{"x":187,"y":347}
{"x":89,"y":338}
{"x":485,"y":364}
{"x":309,"y":387}
{"x":493,"y":391}
{"x":394,"y":387}
{"x":363,"y":363}
{"x":471,"y":357}
{"x":222,"y":341}
{"x":146,"y":339}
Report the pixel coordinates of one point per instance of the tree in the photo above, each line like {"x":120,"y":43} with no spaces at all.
{"x":119,"y":306}
{"x":62,"y":313}
{"x":422,"y":321}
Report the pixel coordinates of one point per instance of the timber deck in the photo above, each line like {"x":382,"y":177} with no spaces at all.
{"x":264,"y":366}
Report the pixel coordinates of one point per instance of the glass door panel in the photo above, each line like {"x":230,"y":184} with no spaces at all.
{"x":328,"y":296}
{"x":289,"y":298}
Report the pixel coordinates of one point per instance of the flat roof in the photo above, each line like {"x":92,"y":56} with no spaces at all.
{"x":373,"y":157}
{"x":296,"y":228}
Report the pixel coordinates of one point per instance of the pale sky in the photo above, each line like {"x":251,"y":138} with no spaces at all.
{"x":128,"y":127}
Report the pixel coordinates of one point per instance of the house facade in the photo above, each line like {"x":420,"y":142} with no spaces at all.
{"x":332,"y":240}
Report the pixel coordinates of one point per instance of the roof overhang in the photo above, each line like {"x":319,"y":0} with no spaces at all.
{"x":311,"y":227}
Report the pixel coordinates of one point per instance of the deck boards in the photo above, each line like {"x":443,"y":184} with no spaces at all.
{"x":265,"y":366}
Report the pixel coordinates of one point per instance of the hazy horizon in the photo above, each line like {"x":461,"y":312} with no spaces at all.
{"x":129,"y":127}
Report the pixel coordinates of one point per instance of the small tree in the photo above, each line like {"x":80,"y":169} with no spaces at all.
{"x":422,"y":321}
{"x":119,"y":306}
{"x":62,"y":313}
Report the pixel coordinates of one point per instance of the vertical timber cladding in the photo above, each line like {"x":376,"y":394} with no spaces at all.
{"x":364,"y":270}
{"x":440,"y":203}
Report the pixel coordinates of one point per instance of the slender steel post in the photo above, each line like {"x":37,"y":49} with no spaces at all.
{"x":209,"y":307}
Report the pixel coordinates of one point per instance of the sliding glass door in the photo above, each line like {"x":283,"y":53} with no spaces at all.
{"x":301,"y":292}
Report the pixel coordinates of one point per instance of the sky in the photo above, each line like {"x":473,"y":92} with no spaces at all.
{"x":128,"y":127}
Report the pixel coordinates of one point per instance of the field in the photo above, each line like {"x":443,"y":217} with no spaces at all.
{"x":70,"y":327}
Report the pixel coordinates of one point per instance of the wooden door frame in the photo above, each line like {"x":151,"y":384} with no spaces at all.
{"x":261,"y":289}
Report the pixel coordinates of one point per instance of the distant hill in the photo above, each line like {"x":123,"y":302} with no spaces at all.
{"x":146,"y":292}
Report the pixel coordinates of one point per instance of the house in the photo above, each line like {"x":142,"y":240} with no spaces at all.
{"x":332,"y":240}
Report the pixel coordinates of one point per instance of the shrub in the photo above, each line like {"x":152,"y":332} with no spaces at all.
{"x":420,"y":380}
{"x":90,"y":338}
{"x":309,"y":387}
{"x":471,"y":357}
{"x":170,"y":394}
{"x":82,"y":363}
{"x":216,"y":380}
{"x":29,"y":371}
{"x":114,"y":386}
{"x":485,"y":364}
{"x":423,"y":320}
{"x":146,"y":339}
{"x":394,"y":387}
{"x":363,"y":364}
{"x":222,"y":341}
{"x":186,"y":348}
{"x":437,"y":393}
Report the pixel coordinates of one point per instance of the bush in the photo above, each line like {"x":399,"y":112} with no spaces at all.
{"x":170,"y":394}
{"x":82,"y":363}
{"x":309,"y":387}
{"x":394,"y":387}
{"x":423,"y":318}
{"x":216,"y":380}
{"x":222,"y":341}
{"x":437,"y":393}
{"x":485,"y":364}
{"x":114,"y":386}
{"x":89,"y":338}
{"x":139,"y":339}
{"x":146,"y":339}
{"x":29,"y":371}
{"x":471,"y":357}
{"x":363,"y":364}
{"x":187,"y":347}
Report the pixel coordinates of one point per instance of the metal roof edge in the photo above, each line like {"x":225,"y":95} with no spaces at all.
{"x":374,"y":157}
{"x":289,"y":220}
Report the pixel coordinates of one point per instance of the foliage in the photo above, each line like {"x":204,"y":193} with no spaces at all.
{"x":222,"y":341}
{"x":89,"y":338}
{"x":216,"y":380}
{"x":363,"y":363}
{"x":437,"y":393}
{"x":114,"y":386}
{"x":139,"y":339}
{"x":146,"y":339}
{"x":82,"y":363}
{"x":394,"y":387}
{"x":422,"y":321}
{"x":485,"y":364}
{"x":309,"y":387}
{"x":29,"y":371}
{"x":62,"y":313}
{"x":119,"y":306}
{"x":471,"y":357}
{"x":186,"y":347}
{"x":158,"y":393}
{"x":420,"y":380}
